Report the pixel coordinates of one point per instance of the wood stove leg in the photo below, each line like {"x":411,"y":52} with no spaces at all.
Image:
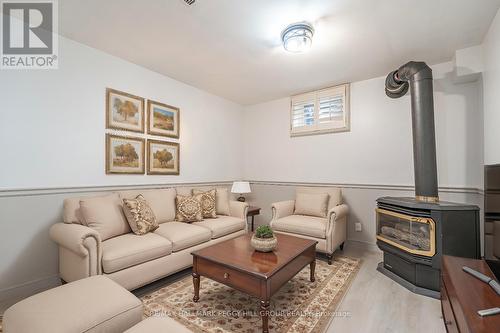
{"x":196,"y":283}
{"x":264,"y":314}
{"x":329,"y":256}
{"x":342,"y":247}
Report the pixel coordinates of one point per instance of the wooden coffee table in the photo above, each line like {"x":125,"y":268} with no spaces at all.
{"x":235,"y":264}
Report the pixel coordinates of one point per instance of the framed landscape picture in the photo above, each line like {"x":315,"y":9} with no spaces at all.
{"x":124,"y":155}
{"x":124,"y":111}
{"x":163,"y":158}
{"x":163,"y":119}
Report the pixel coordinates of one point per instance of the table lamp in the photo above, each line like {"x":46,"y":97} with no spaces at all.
{"x":241,"y":188}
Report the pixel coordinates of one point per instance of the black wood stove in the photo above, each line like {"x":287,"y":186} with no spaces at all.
{"x":414,"y":232}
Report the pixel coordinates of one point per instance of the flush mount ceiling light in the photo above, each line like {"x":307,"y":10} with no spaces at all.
{"x":297,"y":37}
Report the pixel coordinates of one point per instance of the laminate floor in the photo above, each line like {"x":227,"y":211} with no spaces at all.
{"x":375,"y":303}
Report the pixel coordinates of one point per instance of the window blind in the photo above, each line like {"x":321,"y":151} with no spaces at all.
{"x":320,"y":111}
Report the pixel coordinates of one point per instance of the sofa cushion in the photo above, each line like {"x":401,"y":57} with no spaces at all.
{"x":222,"y":226}
{"x":188,"y":208}
{"x":183,"y":235}
{"x":130,"y":250}
{"x":207,"y":203}
{"x":184,"y":190}
{"x":313,"y":204}
{"x":222,"y":201}
{"x":303,"y":225}
{"x":71,"y":209}
{"x":335,"y":194}
{"x":105,"y":215}
{"x":91,"y":305}
{"x":139,"y":215}
{"x":161,"y":201}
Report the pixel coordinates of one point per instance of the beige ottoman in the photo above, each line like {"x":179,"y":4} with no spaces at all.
{"x":158,"y":325}
{"x":94,"y":304}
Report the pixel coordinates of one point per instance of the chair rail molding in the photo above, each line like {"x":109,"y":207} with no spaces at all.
{"x":395,"y":187}
{"x":20,"y":192}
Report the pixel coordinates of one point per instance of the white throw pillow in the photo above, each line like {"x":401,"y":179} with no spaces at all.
{"x":312,"y":204}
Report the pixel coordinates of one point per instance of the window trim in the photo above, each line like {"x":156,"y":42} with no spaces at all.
{"x":320,"y":128}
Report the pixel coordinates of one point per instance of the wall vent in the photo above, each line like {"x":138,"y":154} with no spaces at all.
{"x":189,"y":2}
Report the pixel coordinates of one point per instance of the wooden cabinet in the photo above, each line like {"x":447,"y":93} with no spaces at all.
{"x":462,"y":295}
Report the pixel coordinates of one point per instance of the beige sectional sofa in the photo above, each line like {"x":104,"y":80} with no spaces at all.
{"x":330,"y":230}
{"x":111,"y":249}
{"x":105,"y":307}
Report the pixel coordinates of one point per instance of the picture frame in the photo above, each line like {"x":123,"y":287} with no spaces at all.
{"x":124,"y":155}
{"x":163,"y":119}
{"x":163,"y":158}
{"x":124,"y":111}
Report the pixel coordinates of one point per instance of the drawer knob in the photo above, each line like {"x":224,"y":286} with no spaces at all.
{"x":448,"y":323}
{"x":226,"y":275}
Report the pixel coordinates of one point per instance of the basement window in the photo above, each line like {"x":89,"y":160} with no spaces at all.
{"x":321,"y":111}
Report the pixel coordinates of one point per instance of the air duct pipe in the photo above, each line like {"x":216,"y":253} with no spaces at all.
{"x":418,"y":77}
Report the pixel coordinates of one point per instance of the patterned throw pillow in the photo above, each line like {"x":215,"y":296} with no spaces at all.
{"x":188,"y":208}
{"x":139,"y":215}
{"x":207,"y":203}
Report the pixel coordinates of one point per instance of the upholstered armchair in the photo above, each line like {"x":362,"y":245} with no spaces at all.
{"x":316,"y":213}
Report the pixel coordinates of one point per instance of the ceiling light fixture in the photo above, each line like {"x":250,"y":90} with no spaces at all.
{"x":297,"y":37}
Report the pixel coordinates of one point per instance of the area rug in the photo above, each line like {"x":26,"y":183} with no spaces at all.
{"x":300,"y":305}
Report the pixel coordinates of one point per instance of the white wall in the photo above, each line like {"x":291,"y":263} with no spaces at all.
{"x":378,"y":149}
{"x":52,"y":135}
{"x":491,"y":82}
{"x":52,"y":123}
{"x":375,"y":158}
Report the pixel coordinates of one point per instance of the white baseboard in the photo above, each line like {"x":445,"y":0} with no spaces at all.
{"x":11,"y":295}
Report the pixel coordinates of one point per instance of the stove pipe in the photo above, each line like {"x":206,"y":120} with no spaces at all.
{"x":418,"y":77}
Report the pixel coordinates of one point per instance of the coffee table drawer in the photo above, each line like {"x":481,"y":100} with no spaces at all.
{"x":230,"y":277}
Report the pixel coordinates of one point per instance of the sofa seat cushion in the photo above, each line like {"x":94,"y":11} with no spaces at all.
{"x":222,"y":225}
{"x":183,"y":235}
{"x":94,"y":304}
{"x":304,"y":225}
{"x":131,"y":249}
{"x":158,"y":325}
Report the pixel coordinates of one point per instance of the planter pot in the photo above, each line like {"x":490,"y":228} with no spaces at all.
{"x":264,"y":244}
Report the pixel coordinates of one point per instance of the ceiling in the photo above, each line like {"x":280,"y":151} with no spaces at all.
{"x":232,"y":48}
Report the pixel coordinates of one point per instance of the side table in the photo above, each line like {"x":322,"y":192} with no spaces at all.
{"x":252,"y":211}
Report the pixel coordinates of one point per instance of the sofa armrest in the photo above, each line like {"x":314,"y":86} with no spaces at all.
{"x":80,"y":251}
{"x":238,"y":209}
{"x":282,"y":209}
{"x":338,"y":212}
{"x":73,"y":236}
{"x":336,"y":230}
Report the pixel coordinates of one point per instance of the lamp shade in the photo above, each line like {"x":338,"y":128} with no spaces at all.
{"x":241,"y":187}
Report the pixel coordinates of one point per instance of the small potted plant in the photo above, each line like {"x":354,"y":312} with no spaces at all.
{"x":264,"y":240}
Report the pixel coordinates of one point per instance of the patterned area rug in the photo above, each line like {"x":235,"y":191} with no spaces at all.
{"x":300,"y":305}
